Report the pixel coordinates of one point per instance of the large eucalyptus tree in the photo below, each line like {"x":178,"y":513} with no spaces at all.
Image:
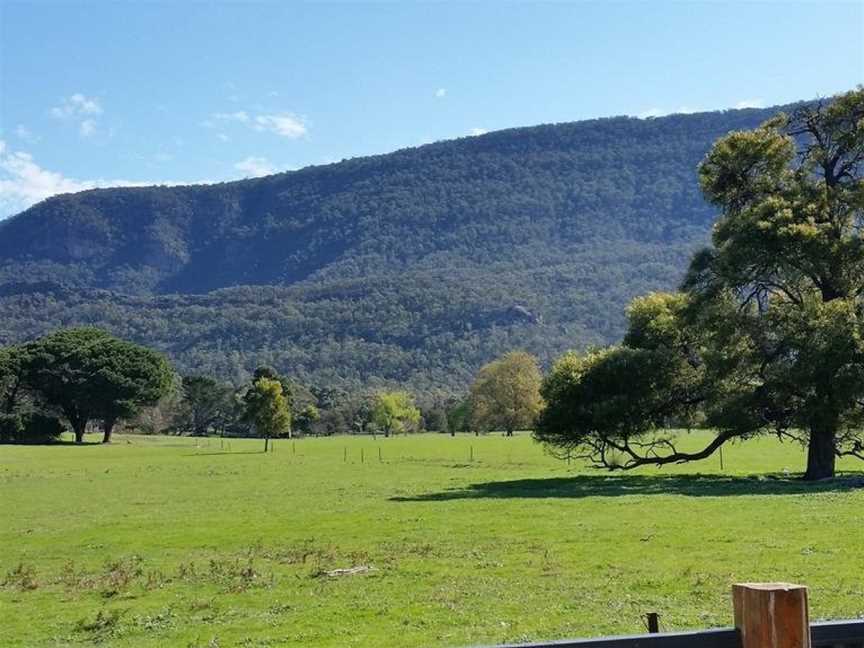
{"x":767,"y":333}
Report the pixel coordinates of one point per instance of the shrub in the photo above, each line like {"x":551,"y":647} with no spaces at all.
{"x":31,"y":427}
{"x":11,"y":428}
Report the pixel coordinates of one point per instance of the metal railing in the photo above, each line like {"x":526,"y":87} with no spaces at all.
{"x":825,"y":634}
{"x":837,"y":634}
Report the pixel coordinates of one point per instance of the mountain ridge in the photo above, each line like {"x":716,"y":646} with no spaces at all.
{"x":411,"y":267}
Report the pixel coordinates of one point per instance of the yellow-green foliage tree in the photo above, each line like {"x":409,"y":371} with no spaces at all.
{"x":506,"y":393}
{"x":267,"y":409}
{"x":395,"y":412}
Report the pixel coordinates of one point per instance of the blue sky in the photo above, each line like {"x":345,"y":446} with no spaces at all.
{"x":124,"y":92}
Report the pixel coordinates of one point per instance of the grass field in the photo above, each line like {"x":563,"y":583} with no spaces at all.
{"x":178,"y":542}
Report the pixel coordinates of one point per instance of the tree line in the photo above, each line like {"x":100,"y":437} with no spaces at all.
{"x":83,"y":379}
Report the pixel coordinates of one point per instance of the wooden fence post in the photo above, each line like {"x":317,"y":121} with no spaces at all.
{"x":771,"y":615}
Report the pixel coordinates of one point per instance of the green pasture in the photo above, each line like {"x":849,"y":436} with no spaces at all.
{"x":162,"y":541}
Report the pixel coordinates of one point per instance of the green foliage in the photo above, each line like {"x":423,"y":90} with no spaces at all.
{"x":13,"y":373}
{"x":459,"y":416}
{"x":435,"y":420}
{"x":394,"y":412}
{"x":306,"y":419}
{"x":86,"y":374}
{"x":506,"y":393}
{"x":412,"y":269}
{"x":790,"y":252}
{"x":266,"y":408}
{"x":11,"y":428}
{"x":601,"y":402}
{"x":30,"y":428}
{"x":206,"y":406}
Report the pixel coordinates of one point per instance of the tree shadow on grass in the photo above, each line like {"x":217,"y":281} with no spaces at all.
{"x":64,"y":442}
{"x":581,"y":486}
{"x":226,"y":453}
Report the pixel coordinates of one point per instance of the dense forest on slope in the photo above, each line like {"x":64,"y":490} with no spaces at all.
{"x":413,"y":267}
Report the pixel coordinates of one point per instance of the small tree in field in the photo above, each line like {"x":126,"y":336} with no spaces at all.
{"x":767,"y":334}
{"x":394,"y":412}
{"x":267,"y":409}
{"x":205,"y":405}
{"x":506,"y":393}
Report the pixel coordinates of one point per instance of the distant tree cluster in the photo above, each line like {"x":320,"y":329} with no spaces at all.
{"x":82,"y":378}
{"x":77,"y":376}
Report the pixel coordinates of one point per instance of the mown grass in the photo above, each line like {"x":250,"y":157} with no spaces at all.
{"x":179,"y":542}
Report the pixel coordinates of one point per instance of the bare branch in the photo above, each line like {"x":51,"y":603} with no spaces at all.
{"x":651,"y":452}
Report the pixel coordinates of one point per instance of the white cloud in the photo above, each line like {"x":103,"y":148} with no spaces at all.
{"x":661,"y":112}
{"x":81,"y":110}
{"x":87,"y":127}
{"x":23,"y":182}
{"x":477,"y":131}
{"x":751,"y":103}
{"x":284,"y":124}
{"x":76,"y":106}
{"x":686,"y":110}
{"x":651,"y":112}
{"x":222,"y":137}
{"x":253,"y":167}
{"x":440,"y":93}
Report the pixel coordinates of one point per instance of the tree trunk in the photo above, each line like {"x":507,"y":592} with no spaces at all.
{"x":266,"y":444}
{"x":820,"y":454}
{"x":108,"y":426}
{"x":78,"y":428}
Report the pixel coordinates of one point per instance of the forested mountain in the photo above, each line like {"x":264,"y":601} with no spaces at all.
{"x":413,"y":267}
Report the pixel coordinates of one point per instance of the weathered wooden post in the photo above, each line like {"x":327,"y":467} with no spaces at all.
{"x":771,"y":615}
